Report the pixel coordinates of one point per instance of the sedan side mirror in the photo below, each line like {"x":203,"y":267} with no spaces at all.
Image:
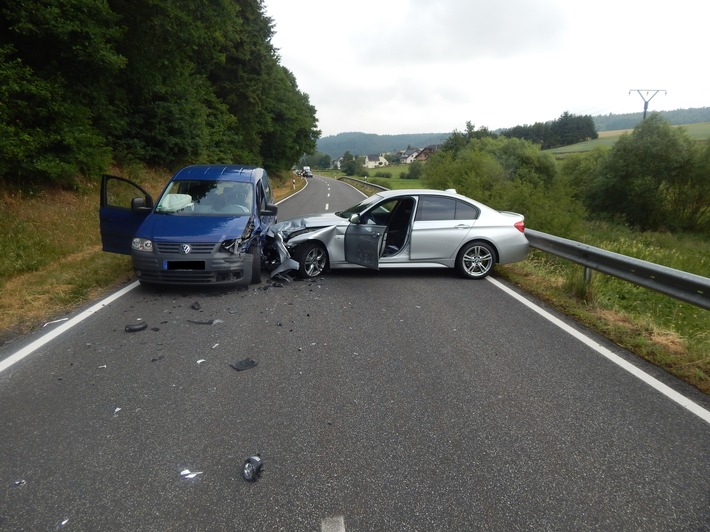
{"x":355,"y":219}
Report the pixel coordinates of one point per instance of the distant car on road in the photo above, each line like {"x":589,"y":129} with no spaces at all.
{"x":400,"y":229}
{"x":208,"y":226}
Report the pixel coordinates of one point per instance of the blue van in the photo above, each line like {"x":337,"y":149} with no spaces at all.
{"x":207,"y":227}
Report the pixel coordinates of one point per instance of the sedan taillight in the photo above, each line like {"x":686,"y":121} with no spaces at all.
{"x":520,"y":226}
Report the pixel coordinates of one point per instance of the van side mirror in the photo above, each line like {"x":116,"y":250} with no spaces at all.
{"x":139,"y":205}
{"x":270,"y":210}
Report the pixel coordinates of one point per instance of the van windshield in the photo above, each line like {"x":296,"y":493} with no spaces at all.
{"x":223,"y":198}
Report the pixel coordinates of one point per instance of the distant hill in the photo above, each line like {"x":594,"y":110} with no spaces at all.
{"x":370,"y":143}
{"x":678,"y":117}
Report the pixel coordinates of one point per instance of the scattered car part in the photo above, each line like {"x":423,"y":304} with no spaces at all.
{"x":137,"y":327}
{"x":245,"y":364}
{"x":252,"y":468}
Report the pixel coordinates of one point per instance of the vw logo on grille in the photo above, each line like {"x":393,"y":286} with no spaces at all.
{"x":185,"y":249}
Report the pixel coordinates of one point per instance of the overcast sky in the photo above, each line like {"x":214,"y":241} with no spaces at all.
{"x":424,"y":66}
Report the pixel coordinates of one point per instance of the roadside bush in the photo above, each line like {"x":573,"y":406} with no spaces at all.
{"x":654,"y":178}
{"x":509,"y":174}
{"x":386,"y":175}
{"x":414,"y":171}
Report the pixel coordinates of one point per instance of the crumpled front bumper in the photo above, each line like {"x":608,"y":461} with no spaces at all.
{"x":177,"y":269}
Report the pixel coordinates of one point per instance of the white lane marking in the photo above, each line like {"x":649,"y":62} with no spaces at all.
{"x":616,"y":359}
{"x":333,"y":524}
{"x":31,"y":348}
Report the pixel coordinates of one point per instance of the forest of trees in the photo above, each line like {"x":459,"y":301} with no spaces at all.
{"x":86,"y":84}
{"x":567,"y":129}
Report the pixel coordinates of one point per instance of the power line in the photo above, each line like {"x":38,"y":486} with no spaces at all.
{"x":645,"y":101}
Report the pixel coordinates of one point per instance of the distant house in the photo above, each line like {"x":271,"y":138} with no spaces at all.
{"x":335,"y":163}
{"x":407,"y":156}
{"x":375,"y":161}
{"x":427,"y":152}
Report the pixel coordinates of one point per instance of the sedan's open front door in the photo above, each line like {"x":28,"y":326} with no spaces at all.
{"x":363,"y":243}
{"x":123,"y":207}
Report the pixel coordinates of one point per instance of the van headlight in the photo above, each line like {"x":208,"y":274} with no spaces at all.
{"x":142,"y":244}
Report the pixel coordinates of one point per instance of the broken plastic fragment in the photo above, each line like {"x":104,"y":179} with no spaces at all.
{"x":115,"y":412}
{"x":55,"y":321}
{"x":208,"y":322}
{"x":20,"y":482}
{"x":247,"y":363}
{"x":186,"y":473}
{"x":136,"y":327}
{"x":201,"y":361}
{"x":252,"y":468}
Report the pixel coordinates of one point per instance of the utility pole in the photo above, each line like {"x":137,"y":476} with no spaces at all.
{"x":645,"y":101}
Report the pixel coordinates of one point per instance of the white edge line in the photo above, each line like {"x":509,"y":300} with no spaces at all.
{"x":31,"y":348}
{"x":616,"y":359}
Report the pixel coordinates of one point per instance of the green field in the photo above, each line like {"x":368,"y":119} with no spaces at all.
{"x":699,"y":132}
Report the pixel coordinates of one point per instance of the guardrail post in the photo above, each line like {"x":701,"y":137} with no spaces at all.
{"x":587,"y":276}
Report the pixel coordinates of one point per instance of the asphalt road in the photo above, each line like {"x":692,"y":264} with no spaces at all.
{"x":394,"y":400}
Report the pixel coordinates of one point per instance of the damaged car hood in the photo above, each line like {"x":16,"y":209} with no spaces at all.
{"x":288,"y":227}
{"x":167,"y":228}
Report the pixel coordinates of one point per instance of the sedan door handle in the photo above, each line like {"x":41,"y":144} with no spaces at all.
{"x":462,"y":226}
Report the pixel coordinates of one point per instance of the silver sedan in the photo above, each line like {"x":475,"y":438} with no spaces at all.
{"x":402,"y":229}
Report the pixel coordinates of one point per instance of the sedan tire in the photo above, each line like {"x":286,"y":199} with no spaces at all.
{"x":476,"y":260}
{"x":312,"y":259}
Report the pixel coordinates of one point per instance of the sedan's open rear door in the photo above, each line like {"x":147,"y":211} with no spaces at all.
{"x":363,"y":243}
{"x":123,"y":207}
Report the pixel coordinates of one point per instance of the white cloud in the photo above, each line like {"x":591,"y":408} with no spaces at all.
{"x":400,"y":66}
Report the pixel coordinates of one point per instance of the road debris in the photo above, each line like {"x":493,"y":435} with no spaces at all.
{"x":186,"y":473}
{"x":55,"y":321}
{"x":196,"y":306}
{"x":242,"y":365}
{"x":208,"y":322}
{"x":135,"y":327}
{"x":252,"y":468}
{"x":201,"y":361}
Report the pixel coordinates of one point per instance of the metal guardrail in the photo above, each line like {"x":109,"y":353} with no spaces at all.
{"x":361,"y":182}
{"x":688,"y":287}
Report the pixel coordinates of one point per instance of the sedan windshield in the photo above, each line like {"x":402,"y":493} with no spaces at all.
{"x":357,"y":209}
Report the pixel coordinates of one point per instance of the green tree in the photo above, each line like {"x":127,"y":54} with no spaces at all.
{"x":55,"y":59}
{"x":509,"y":174}
{"x":652,"y":178}
{"x":349,"y":165}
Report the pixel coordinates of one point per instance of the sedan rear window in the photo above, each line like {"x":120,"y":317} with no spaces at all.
{"x":433,"y":208}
